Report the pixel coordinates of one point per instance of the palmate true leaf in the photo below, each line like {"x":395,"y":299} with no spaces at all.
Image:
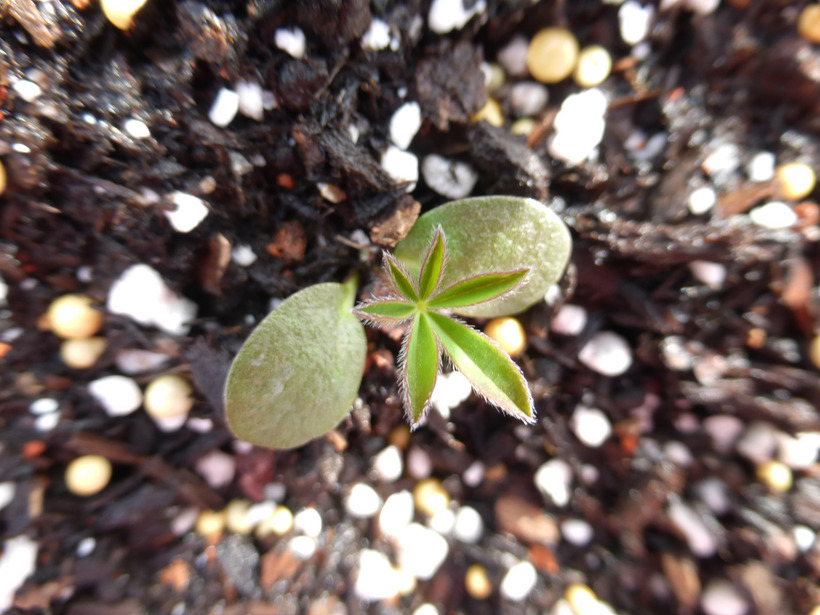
{"x":419,"y":367}
{"x":488,"y":368}
{"x":299,"y":371}
{"x":477,"y":289}
{"x":494,"y":233}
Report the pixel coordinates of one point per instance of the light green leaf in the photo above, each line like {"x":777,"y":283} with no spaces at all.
{"x":433,"y":264}
{"x":299,"y":371}
{"x":400,"y":278}
{"x":494,"y":234}
{"x":386,"y":311}
{"x":477,"y":289}
{"x":419,"y":369}
{"x":491,"y":372}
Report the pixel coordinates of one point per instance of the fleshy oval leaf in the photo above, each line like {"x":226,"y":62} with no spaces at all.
{"x":299,"y":371}
{"x":494,"y":233}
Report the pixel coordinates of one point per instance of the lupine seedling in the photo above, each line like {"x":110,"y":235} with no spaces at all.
{"x":300,"y":370}
{"x":420,"y":303}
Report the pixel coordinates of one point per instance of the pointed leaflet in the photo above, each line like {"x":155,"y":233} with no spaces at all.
{"x":477,"y":289}
{"x":400,"y":279}
{"x":491,"y":372}
{"x":433,"y":265}
{"x":420,"y":359}
{"x":387,"y":311}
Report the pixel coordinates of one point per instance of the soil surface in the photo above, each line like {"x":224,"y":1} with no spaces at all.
{"x":676,"y":499}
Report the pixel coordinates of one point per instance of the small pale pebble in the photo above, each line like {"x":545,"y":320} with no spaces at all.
{"x":275,"y":492}
{"x":513,"y":56}
{"x":607,"y":353}
{"x":137,"y":128}
{"x":722,"y":162}
{"x":217,"y":468}
{"x":141,"y":294}
{"x":773,"y":215}
{"x":331,"y":192}
{"x":634,"y":21}
{"x":377,"y":36}
{"x":280,"y":522}
{"x":118,"y":395}
{"x":421,"y":551}
{"x":709,"y":273}
{"x":443,"y":522}
{"x":224,"y":108}
{"x":579,"y":126}
{"x":291,"y":40}
{"x":474,"y":474}
{"x":451,"y":178}
{"x":388,"y":465}
{"x":236,"y":517}
{"x":715,"y":494}
{"x":303,"y":547}
{"x":7,"y":491}
{"x":804,"y":537}
{"x":590,"y":425}
{"x":699,"y":538}
{"x":678,"y":453}
{"x":448,"y":15}
{"x":519,"y":581}
{"x":553,"y":479}
{"x":257,"y":513}
{"x":135,"y":361}
{"x":723,"y":598}
{"x":563,"y":607}
{"x":362,"y":502}
{"x":702,"y":7}
{"x":577,"y":532}
{"x":353,"y":132}
{"x":491,"y":112}
{"x":86,"y":546}
{"x":18,"y":562}
{"x":47,"y":422}
{"x":757,"y":443}
{"x":269,"y":102}
{"x":710,"y":368}
{"x":44,"y":405}
{"x":494,"y":76}
{"x":724,"y":430}
{"x":402,"y":166}
{"x":569,"y":320}
{"x":396,"y":514}
{"x":450,"y":391}
{"x":426,"y":609}
{"x":593,"y":67}
{"x":189,"y":212}
{"x":582,"y":599}
{"x":184,"y":521}
{"x":377,"y":579}
{"x":798,"y":452}
{"x":419,"y":464}
{"x":27,"y":90}
{"x":676,"y":354}
{"x":251,"y":100}
{"x":404,"y":124}
{"x":430,"y":497}
{"x":469,"y":526}
{"x":243,"y":255}
{"x":523,"y":126}
{"x":761,"y":167}
{"x":528,"y":98}
{"x":308,"y":521}
{"x":702,"y":200}
{"x":776,"y":476}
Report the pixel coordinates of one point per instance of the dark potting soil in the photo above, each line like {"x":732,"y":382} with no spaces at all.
{"x":86,"y":199}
